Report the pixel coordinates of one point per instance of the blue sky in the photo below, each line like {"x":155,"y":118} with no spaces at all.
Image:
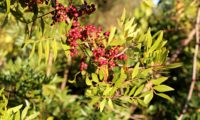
{"x":156,"y":1}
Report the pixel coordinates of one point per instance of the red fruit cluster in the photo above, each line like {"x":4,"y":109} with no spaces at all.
{"x":83,"y":66}
{"x":104,"y":57}
{"x":93,"y":36}
{"x":63,"y":13}
{"x":30,"y":3}
{"x":82,"y":33}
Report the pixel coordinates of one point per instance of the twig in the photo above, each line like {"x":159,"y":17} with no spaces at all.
{"x":66,"y":71}
{"x":138,"y":117}
{"x":121,"y":52}
{"x":45,"y":14}
{"x":194,"y":71}
{"x":184,"y":42}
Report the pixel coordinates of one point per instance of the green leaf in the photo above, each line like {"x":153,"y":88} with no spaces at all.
{"x":149,"y":39}
{"x":135,"y":70}
{"x":132,"y":91}
{"x":95,"y":78}
{"x":17,"y":115}
{"x":88,"y":81}
{"x":110,"y":103}
{"x":42,"y":25}
{"x":139,"y":90}
{"x":141,"y":102}
{"x":112,"y":33}
{"x":146,"y":72}
{"x":127,"y":91}
{"x":148,"y":3}
{"x":117,"y":42}
{"x":50,"y":118}
{"x":15,"y":109}
{"x":1,"y":91}
{"x":82,"y":1}
{"x":162,"y":88}
{"x":47,"y":50}
{"x":25,"y":111}
{"x":123,"y":16}
{"x":121,"y":79}
{"x":165,"y":96}
{"x":159,"y":80}
{"x":174,"y":65}
{"x":33,"y":116}
{"x":101,"y":74}
{"x":157,"y":42}
{"x":8,"y":5}
{"x":148,"y":97}
{"x":55,"y":49}
{"x":32,"y":51}
{"x":95,"y":99}
{"x":129,"y":24}
{"x":40,"y":52}
{"x":144,"y":94}
{"x":107,"y":90}
{"x":102,"y":105}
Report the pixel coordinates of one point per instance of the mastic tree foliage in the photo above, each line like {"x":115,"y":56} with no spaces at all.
{"x":177,"y":19}
{"x":55,"y":65}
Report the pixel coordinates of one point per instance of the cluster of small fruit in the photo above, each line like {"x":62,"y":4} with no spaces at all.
{"x":62,"y":13}
{"x":86,"y":36}
{"x":31,"y":3}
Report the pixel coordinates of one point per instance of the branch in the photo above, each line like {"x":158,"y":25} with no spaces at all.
{"x":121,"y":52}
{"x":184,"y":42}
{"x":194,"y":71}
{"x":66,"y":72}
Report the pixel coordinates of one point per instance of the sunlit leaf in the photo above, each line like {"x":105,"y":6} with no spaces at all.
{"x":162,"y":88}
{"x":112,"y":33}
{"x":24,"y":112}
{"x":139,"y":90}
{"x":110,"y":103}
{"x":55,"y":49}
{"x":123,"y":16}
{"x":40,"y":52}
{"x":17,"y":115}
{"x":32,"y":51}
{"x":117,"y":42}
{"x":95,"y":78}
{"x":159,"y":80}
{"x":165,"y":96}
{"x":33,"y":116}
{"x":157,"y":42}
{"x":174,"y":65}
{"x":107,"y":90}
{"x":132,"y":91}
{"x":8,"y":5}
{"x":135,"y":70}
{"x":47,"y":50}
{"x":148,"y":97}
{"x":42,"y":25}
{"x":101,"y":74}
{"x":88,"y":81}
{"x":102,"y":105}
{"x":129,"y":24}
{"x":121,"y":79}
{"x":15,"y":109}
